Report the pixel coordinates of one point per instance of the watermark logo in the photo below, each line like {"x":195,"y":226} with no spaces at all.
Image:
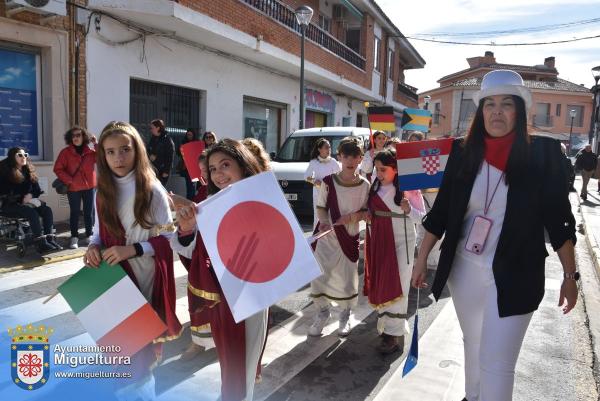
{"x":30,"y":356}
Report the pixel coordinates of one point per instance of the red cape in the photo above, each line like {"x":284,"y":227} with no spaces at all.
{"x":382,"y":279}
{"x":349,"y":243}
{"x":206,"y":298}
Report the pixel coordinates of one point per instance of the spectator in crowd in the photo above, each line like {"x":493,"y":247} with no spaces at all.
{"x":20,"y":190}
{"x":416,"y":136}
{"x":586,"y":162}
{"x":161,"y":151}
{"x":75,"y":167}
{"x":209,"y":138}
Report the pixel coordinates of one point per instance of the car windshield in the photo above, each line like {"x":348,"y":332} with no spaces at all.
{"x":297,"y":149}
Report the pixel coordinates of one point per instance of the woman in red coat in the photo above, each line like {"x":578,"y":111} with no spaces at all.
{"x":75,"y":166}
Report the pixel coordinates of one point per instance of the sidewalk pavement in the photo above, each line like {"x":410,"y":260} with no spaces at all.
{"x":590,"y":229}
{"x":10,"y":260}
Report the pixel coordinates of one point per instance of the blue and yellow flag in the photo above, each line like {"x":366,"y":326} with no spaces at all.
{"x":416,"y":120}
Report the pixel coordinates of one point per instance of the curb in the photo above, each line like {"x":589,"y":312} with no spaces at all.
{"x":591,"y":243}
{"x":590,"y":289}
{"x":44,"y":261}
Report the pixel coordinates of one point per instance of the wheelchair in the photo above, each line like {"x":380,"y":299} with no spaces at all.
{"x":14,"y":231}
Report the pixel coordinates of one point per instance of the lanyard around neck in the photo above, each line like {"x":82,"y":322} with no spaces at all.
{"x":487,"y":205}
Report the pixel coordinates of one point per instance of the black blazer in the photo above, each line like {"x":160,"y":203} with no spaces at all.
{"x":540,"y":200}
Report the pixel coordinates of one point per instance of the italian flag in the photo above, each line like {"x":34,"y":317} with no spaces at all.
{"x":111,"y":308}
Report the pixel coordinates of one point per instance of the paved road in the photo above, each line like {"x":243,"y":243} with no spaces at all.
{"x":555,"y":363}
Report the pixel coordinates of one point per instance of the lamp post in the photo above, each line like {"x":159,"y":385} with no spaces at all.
{"x":593,"y":135}
{"x":572,"y":113}
{"x":427,"y":99}
{"x":303,"y":16}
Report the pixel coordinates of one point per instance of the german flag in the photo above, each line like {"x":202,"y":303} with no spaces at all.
{"x":382,"y":118}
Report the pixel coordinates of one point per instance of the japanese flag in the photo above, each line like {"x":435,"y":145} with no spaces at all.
{"x":257,"y":248}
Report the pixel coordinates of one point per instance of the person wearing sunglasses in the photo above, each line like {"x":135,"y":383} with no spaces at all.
{"x":21,"y":190}
{"x":75,"y":166}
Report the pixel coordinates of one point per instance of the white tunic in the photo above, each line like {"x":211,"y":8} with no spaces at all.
{"x":392,"y":317}
{"x":366,"y":165}
{"x":339,"y":282}
{"x":160,"y":218}
{"x":318,"y":169}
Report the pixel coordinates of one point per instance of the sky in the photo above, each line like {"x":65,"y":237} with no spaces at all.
{"x":574,"y":60}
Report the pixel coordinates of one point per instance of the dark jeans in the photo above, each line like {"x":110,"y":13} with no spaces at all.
{"x":33,"y":216}
{"x":75,"y":199}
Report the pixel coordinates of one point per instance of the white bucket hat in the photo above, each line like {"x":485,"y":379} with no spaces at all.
{"x":503,"y":82}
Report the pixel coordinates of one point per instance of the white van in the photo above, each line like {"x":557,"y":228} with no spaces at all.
{"x":291,"y":162}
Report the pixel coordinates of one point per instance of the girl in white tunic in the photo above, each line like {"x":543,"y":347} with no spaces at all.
{"x":320,"y":166}
{"x":378,"y":144}
{"x":390,"y":245}
{"x":342,"y":202}
{"x":132,"y":228}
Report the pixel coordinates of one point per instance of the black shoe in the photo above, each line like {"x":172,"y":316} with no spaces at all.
{"x":43,"y":245}
{"x":51,"y":239}
{"x":584,"y":197}
{"x":390,"y":344}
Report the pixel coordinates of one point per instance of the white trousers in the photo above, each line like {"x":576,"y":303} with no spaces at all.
{"x":256,"y":333}
{"x":491,"y":343}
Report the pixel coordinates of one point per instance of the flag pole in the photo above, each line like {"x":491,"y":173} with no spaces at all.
{"x":406,"y":239}
{"x":51,"y":296}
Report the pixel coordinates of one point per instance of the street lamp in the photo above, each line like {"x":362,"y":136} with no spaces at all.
{"x":427,"y":99}
{"x":303,"y":15}
{"x":572,"y":113}
{"x":593,"y":131}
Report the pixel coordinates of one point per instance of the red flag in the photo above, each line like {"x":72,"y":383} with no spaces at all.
{"x":190,"y":153}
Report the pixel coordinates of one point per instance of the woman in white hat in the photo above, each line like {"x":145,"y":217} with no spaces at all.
{"x":501,"y":189}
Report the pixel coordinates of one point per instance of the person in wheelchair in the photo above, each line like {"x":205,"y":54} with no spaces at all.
{"x":19,"y":184}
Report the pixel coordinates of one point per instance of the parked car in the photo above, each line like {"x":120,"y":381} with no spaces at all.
{"x":290,"y":163}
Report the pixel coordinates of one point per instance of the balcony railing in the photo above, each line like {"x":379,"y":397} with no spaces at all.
{"x":409,"y":91}
{"x":285,"y":15}
{"x":543,"y":120}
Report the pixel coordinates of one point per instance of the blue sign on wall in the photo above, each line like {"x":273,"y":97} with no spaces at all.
{"x":18,"y":102}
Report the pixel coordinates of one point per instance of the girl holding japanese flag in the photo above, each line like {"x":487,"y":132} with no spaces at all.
{"x":133,"y":231}
{"x":239,"y":346}
{"x":390,"y":249}
{"x":342,"y":203}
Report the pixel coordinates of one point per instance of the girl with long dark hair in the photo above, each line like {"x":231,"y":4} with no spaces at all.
{"x":390,"y":250}
{"x":239,"y":345}
{"x":19,"y":183}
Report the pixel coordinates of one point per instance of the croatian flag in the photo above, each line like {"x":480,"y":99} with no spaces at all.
{"x":421,"y":164}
